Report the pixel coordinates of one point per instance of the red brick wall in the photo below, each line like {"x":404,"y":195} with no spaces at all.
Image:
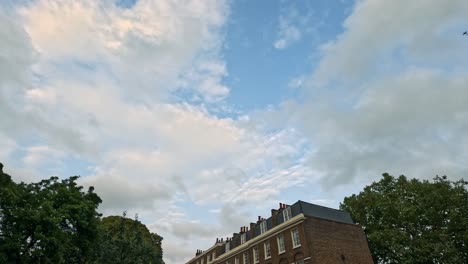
{"x":330,"y":241}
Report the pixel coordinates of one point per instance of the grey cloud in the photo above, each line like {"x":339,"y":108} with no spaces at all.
{"x":376,"y":28}
{"x":187,"y":229}
{"x":369,"y":111}
{"x":16,"y":77}
{"x":121,"y":193}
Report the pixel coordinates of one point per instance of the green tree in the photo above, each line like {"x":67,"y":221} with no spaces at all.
{"x":124,"y":240}
{"x":413,"y":221}
{"x":52,"y":221}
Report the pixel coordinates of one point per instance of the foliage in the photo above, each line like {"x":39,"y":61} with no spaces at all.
{"x":124,"y":240}
{"x":52,"y":221}
{"x":413,"y":221}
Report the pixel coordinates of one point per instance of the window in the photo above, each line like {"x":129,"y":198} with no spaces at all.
{"x":263,"y":227}
{"x":227,"y":247}
{"x":281,"y":247}
{"x":255,"y":255}
{"x":243,"y":238}
{"x":287,"y":214}
{"x":208,"y":259}
{"x":296,"y":241}
{"x":202,"y":261}
{"x":246,"y":258}
{"x":267,"y":248}
{"x":236,"y":260}
{"x":214,"y":256}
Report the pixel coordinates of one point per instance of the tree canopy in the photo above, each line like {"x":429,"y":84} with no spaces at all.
{"x":55,"y":221}
{"x":413,"y":221}
{"x":52,"y":221}
{"x":124,"y":240}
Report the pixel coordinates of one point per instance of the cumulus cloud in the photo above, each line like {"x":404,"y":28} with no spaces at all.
{"x":424,"y":31}
{"x":390,"y":94}
{"x":128,"y":91}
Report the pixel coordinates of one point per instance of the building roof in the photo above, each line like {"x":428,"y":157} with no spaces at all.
{"x":299,"y":207}
{"x":323,"y":212}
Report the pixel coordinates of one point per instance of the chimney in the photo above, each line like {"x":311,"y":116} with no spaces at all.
{"x":281,"y":205}
{"x":252,"y":227}
{"x":274,"y":213}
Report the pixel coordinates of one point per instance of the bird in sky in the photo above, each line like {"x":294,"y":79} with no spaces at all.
{"x":465,"y":33}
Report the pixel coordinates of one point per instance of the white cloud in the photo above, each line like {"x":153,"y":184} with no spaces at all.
{"x":160,"y":39}
{"x":428,"y":30}
{"x":288,"y":31}
{"x":389,"y":94}
{"x":100,"y":84}
{"x":37,"y":155}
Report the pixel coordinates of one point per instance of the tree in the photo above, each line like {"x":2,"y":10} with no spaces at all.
{"x":413,"y":221}
{"x":52,"y":221}
{"x":123,"y":240}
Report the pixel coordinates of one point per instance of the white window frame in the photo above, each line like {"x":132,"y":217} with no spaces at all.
{"x":256,"y":255}
{"x":243,"y":238}
{"x":267,"y":249}
{"x":213,"y":255}
{"x":286,"y":213}
{"x":245,"y":257}
{"x":295,"y":238}
{"x":263,"y":226}
{"x":280,"y":240}
{"x":202,"y":261}
{"x":227,"y":247}
{"x":236,"y":260}
{"x":208,"y":258}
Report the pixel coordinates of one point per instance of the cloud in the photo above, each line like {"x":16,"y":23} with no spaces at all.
{"x":130,"y":92}
{"x":378,"y":31}
{"x":389,"y":95}
{"x":160,"y":39}
{"x":288,"y":30}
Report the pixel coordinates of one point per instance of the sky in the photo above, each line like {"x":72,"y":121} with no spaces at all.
{"x":200,"y":115}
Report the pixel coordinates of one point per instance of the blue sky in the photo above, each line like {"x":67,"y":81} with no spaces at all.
{"x":201,"y":115}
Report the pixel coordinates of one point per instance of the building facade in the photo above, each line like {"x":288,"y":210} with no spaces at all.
{"x":301,"y":233}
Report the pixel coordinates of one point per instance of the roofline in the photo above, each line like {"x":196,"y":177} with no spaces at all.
{"x":293,"y":221}
{"x":206,"y":251}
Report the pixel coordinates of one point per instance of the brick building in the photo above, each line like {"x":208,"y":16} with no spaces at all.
{"x":301,"y":233}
